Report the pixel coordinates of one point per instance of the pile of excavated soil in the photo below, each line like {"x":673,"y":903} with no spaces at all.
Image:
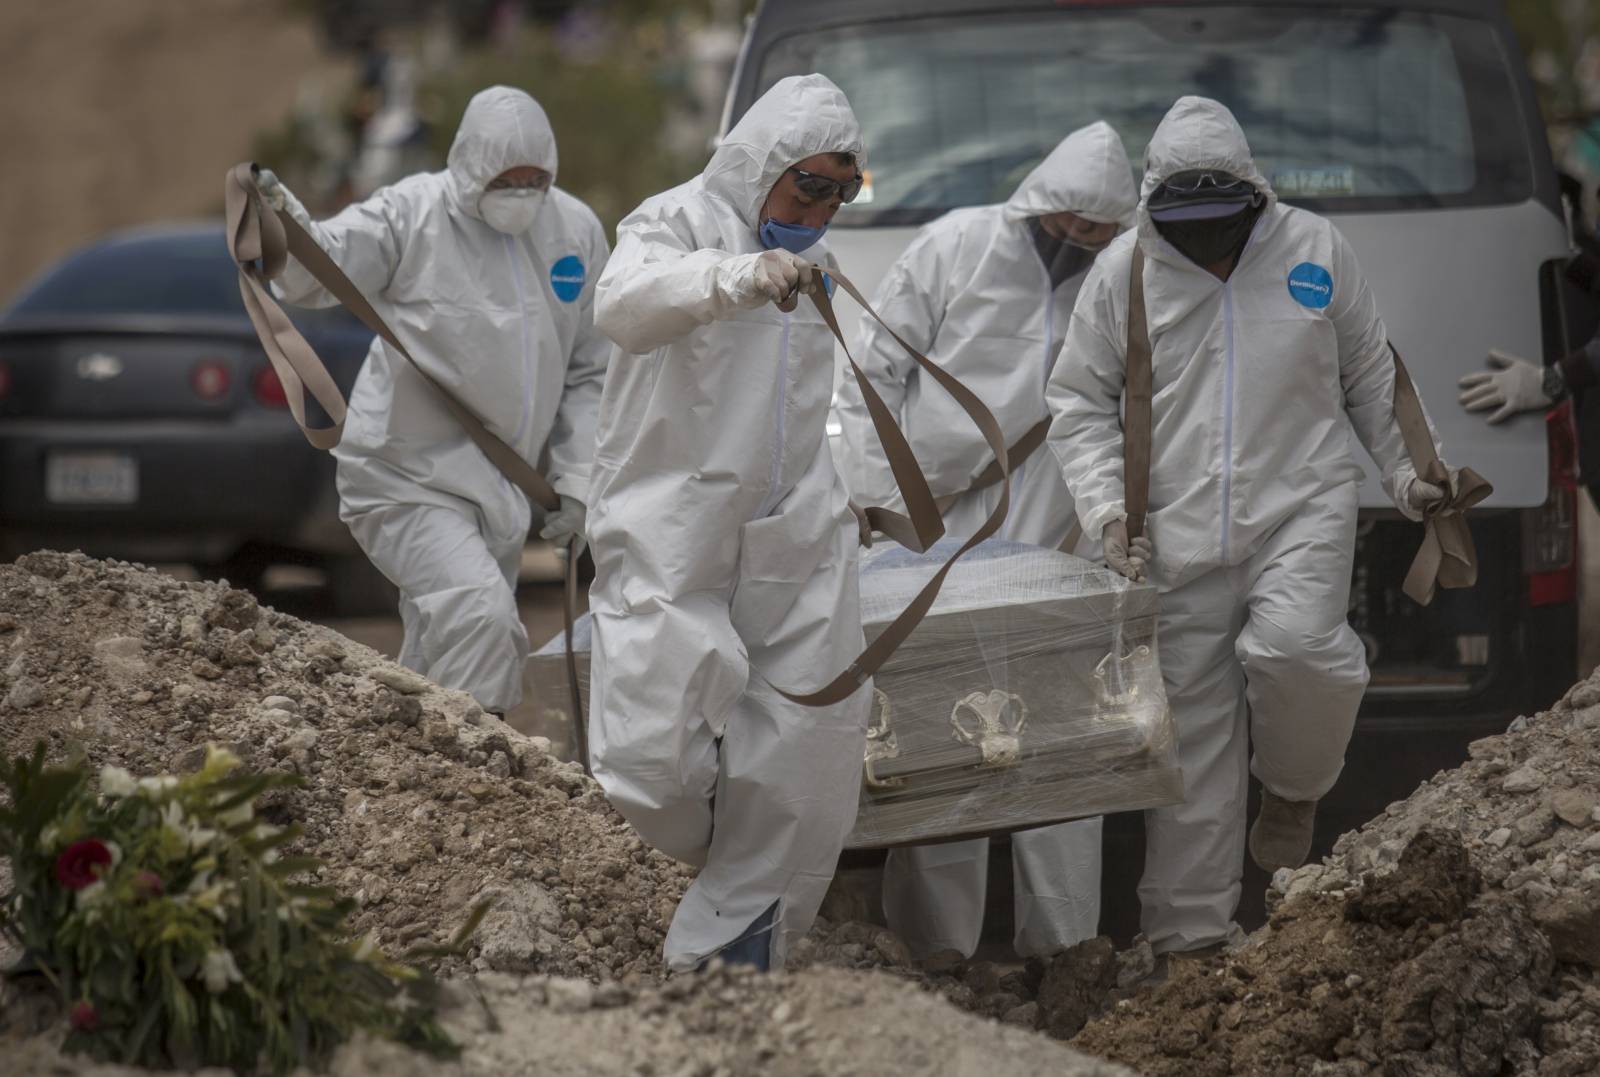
{"x":1459,"y":933}
{"x":419,"y":802}
{"x":723,"y":1023}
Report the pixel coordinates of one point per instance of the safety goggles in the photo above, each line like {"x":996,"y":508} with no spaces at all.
{"x":1200,"y":194}
{"x":1205,"y":180}
{"x":825,"y":188}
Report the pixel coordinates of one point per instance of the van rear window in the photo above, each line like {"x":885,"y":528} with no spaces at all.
{"x":1345,"y":109}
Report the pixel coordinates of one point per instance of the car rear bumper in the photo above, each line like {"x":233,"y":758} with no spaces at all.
{"x":204,"y":489}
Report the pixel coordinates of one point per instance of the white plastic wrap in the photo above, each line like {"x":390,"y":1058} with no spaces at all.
{"x":1030,"y":694}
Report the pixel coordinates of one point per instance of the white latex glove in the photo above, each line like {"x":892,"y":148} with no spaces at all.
{"x":775,"y":276}
{"x":272,"y":189}
{"x":1423,"y":495}
{"x":1514,"y":385}
{"x":564,"y":527}
{"x":862,"y":526}
{"x":1124,"y":557}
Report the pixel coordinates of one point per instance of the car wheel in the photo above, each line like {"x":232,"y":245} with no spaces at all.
{"x":358,"y":589}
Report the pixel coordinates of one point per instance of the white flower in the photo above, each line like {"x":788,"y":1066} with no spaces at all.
{"x":116,"y":782}
{"x":50,"y":838}
{"x":368,"y":947}
{"x":92,"y":895}
{"x":237,"y":815}
{"x":155,"y":788}
{"x":220,"y":970}
{"x":116,"y":853}
{"x":199,"y":838}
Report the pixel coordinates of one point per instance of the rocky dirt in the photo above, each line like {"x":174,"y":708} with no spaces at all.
{"x":418,"y":801}
{"x":421,"y":804}
{"x":1458,"y":934}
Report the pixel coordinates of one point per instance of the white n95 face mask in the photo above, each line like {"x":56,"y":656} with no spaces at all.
{"x":512,"y":212}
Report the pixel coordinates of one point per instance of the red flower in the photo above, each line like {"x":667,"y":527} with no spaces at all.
{"x":84,"y":1017}
{"x":75,"y":866}
{"x":148,"y":884}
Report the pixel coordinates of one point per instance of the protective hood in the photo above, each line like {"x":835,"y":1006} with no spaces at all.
{"x":1087,"y":174}
{"x":1198,"y":132}
{"x":502,"y":128}
{"x":801,"y":116}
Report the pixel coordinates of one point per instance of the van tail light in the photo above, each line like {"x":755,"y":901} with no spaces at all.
{"x":1550,"y":532}
{"x":5,"y":380}
{"x":210,"y":380}
{"x":268,"y":390}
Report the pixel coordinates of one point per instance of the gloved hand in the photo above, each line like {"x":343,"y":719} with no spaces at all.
{"x":1423,"y":495}
{"x":1125,"y":557}
{"x":272,"y":189}
{"x":1515,"y":385}
{"x":862,"y":525}
{"x":564,"y":527}
{"x":775,"y":276}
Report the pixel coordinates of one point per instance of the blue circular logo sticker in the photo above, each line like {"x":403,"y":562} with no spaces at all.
{"x":1311,"y":285}
{"x":566,"y":278}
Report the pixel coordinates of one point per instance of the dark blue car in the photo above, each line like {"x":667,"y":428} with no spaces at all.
{"x":139,"y":418}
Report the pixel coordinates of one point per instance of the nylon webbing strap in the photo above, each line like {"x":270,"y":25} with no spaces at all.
{"x":1448,"y":557}
{"x":1019,"y":452}
{"x":1136,"y":408}
{"x":258,"y":234}
{"x":923,"y":525}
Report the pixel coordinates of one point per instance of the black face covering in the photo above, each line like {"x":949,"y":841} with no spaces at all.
{"x":1207,"y":242}
{"x":1062,"y":260}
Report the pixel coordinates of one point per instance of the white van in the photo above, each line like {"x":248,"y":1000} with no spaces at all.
{"x":1411,"y":124}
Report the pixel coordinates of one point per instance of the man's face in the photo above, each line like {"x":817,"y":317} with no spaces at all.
{"x":523,"y":176}
{"x":787,"y":204}
{"x":1071,"y":228}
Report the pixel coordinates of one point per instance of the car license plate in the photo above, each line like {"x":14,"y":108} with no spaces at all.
{"x":104,"y":478}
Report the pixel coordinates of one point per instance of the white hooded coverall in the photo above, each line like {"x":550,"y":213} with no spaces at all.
{"x":724,"y":547}
{"x":972,"y":293}
{"x":506,"y":324}
{"x":1252,"y":505}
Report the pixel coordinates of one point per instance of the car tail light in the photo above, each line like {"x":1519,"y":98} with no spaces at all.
{"x":267,"y":389}
{"x":5,"y":381}
{"x":210,"y":380}
{"x":1550,"y":532}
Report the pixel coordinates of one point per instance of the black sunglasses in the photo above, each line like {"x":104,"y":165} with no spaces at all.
{"x":826,"y":188}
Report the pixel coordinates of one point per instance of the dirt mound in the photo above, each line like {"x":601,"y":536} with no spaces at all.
{"x":419,"y":802}
{"x":1459,"y":933}
{"x":723,"y":1023}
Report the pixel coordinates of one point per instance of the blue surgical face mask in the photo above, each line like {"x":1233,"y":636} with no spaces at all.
{"x":793,"y":238}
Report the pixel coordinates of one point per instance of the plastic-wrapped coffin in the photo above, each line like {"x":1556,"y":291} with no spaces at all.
{"x":1029,"y":695}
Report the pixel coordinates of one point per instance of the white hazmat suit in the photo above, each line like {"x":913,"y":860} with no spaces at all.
{"x":973,"y":293}
{"x":506,"y":323}
{"x":1252,"y":504}
{"x":725,"y":547}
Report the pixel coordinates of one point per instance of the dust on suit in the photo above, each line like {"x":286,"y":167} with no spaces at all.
{"x":1252,"y":504}
{"x":725,"y":549}
{"x":975,"y":293}
{"x":506,"y":323}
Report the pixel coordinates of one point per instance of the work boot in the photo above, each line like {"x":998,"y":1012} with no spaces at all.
{"x":754,"y":947}
{"x":1281,"y":834}
{"x":1168,"y":963}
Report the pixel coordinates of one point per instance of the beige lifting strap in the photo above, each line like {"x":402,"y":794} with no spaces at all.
{"x":1018,"y":454}
{"x":1447,"y":558}
{"x":256,"y":234}
{"x":923,"y":525}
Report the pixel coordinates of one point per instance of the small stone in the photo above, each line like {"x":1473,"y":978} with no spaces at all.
{"x":1575,"y":807}
{"x":205,"y":670}
{"x":276,"y":717}
{"x":943,"y":963}
{"x":280,"y":703}
{"x":1024,"y":1016}
{"x":191,"y":629}
{"x":1534,"y":827}
{"x":236,"y":611}
{"x":8,"y":624}
{"x":126,"y":648}
{"x":400,"y":679}
{"x":141,"y":698}
{"x":25,"y":694}
{"x":440,"y":735}
{"x":1591,"y":844}
{"x":1500,"y":837}
{"x":499,"y":765}
{"x":1523,"y":780}
{"x":480,"y":792}
{"x":1568,"y":921}
{"x":240,"y":651}
{"x":301,"y":739}
{"x":326,"y":648}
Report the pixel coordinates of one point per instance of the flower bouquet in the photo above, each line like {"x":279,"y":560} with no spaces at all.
{"x":175,"y":931}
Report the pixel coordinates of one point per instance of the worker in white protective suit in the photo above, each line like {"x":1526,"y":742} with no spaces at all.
{"x":486,"y":271}
{"x":724,"y":544}
{"x":987,"y":293}
{"x":1265,"y":338}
